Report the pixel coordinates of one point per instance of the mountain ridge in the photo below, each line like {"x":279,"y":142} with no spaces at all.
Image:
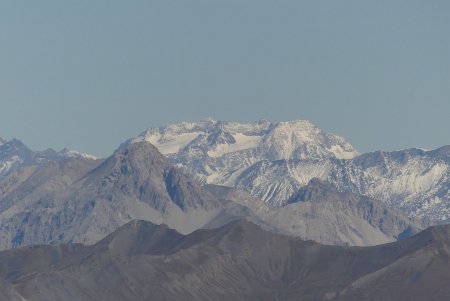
{"x":321,"y":213}
{"x":80,"y":200}
{"x":14,"y":155}
{"x":142,"y":260}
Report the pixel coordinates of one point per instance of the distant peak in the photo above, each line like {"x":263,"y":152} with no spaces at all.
{"x":70,"y":153}
{"x":15,"y":141}
{"x":282,"y":140}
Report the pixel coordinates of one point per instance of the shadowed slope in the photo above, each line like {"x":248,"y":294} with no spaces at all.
{"x":238,"y":261}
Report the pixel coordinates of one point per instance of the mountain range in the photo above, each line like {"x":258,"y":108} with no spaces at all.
{"x":80,"y":200}
{"x":15,"y":155}
{"x":238,"y":261}
{"x":272,"y":161}
{"x":288,"y":177}
{"x":214,"y":210}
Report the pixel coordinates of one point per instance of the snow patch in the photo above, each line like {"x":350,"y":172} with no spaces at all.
{"x":341,"y":153}
{"x":243,"y":142}
{"x":6,"y":165}
{"x":169,"y":144}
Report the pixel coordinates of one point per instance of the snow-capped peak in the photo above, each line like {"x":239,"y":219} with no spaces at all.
{"x":70,"y":153}
{"x":303,"y":140}
{"x":299,"y":138}
{"x":212,"y":150}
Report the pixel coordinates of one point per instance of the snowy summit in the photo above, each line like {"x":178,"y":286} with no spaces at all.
{"x":282,"y":140}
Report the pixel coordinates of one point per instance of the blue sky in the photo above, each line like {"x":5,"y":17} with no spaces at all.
{"x":90,"y":74}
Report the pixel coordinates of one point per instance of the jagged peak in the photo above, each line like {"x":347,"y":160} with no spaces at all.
{"x":138,"y":158}
{"x":180,"y":127}
{"x":140,"y":149}
{"x":15,"y":142}
{"x":220,"y":136}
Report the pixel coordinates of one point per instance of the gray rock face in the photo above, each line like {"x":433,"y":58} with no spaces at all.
{"x":321,"y":213}
{"x":272,"y":161}
{"x":239,"y":261}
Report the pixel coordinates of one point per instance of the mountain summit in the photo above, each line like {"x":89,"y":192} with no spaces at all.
{"x":225,"y":146}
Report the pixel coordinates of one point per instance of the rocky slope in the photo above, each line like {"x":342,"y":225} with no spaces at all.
{"x":272,"y":161}
{"x":321,"y":213}
{"x":239,"y":261}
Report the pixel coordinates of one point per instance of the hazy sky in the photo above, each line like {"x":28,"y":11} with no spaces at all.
{"x":90,"y":74}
